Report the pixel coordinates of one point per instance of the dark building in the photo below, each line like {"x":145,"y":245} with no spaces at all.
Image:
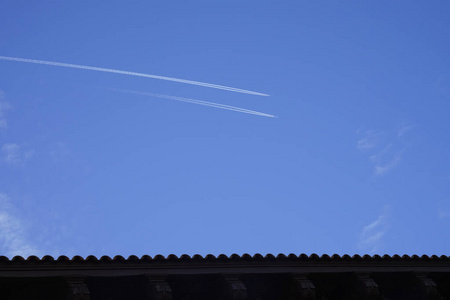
{"x":235,"y":277}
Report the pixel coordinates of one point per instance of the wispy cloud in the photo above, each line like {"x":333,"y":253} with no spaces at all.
{"x":83,"y":67}
{"x":382,"y":167}
{"x":404,"y":129}
{"x":443,"y":210}
{"x":195,"y":101}
{"x":441,"y":85}
{"x":443,"y":214}
{"x":384,"y":149}
{"x":370,"y":140}
{"x":13,"y":155}
{"x":372,"y":234}
{"x":4,"y":106}
{"x":13,"y":239}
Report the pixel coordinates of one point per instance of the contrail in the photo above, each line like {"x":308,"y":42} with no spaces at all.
{"x":65,"y":65}
{"x":195,"y":101}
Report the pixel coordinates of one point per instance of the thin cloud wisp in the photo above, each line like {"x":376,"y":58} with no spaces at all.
{"x":73,"y":66}
{"x":195,"y":101}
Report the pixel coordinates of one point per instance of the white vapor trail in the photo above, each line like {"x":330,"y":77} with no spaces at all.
{"x":195,"y":101}
{"x":66,"y":65}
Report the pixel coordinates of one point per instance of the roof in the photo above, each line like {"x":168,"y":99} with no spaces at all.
{"x":220,"y":277}
{"x":234,"y":257}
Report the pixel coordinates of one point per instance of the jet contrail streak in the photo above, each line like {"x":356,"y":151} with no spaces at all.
{"x":65,"y":65}
{"x":195,"y":101}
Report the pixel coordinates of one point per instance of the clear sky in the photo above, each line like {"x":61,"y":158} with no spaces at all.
{"x":355,"y":161}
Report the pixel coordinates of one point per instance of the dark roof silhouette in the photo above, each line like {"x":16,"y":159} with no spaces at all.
{"x":254,"y":277}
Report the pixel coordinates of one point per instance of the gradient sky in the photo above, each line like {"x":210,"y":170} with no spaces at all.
{"x":356,"y":161}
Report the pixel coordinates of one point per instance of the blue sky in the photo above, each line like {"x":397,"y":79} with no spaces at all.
{"x":356,"y":160}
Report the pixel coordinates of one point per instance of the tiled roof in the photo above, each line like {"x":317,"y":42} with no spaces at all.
{"x":224,"y":258}
{"x":239,"y":277}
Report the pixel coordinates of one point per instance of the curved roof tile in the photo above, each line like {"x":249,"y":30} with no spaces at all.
{"x":223,"y":258}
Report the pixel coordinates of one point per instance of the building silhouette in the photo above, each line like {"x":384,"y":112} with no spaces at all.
{"x":235,"y":277}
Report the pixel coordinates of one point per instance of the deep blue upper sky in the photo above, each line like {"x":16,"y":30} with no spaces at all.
{"x":355,"y":162}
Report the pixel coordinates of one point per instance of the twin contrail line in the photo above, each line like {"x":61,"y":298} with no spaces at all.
{"x":66,"y":65}
{"x":195,"y":101}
